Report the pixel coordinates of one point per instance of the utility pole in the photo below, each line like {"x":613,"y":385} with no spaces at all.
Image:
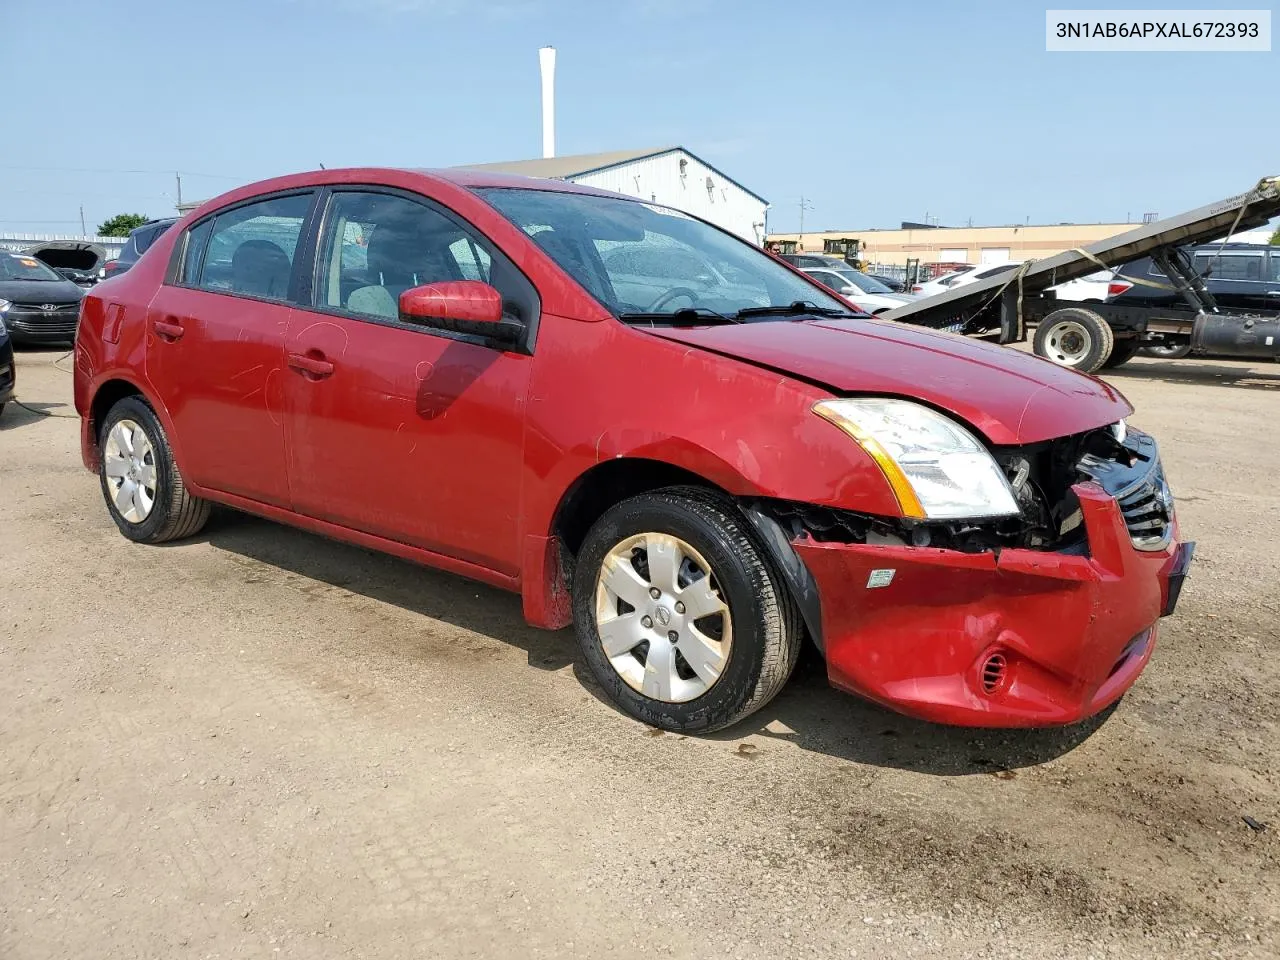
{"x":179,"y":179}
{"x":83,"y":231}
{"x":804,"y":205}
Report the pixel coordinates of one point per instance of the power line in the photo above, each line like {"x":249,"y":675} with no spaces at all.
{"x":189,"y":173}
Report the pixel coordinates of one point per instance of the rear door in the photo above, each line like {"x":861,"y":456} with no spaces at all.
{"x":215,"y":339}
{"x":394,"y":428}
{"x":1236,"y":278}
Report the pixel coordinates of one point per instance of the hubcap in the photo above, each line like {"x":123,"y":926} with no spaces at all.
{"x":1069,"y":343}
{"x":663,"y":623}
{"x":129,"y":462}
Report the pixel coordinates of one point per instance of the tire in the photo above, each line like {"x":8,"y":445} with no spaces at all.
{"x":1167,"y":351}
{"x":1122,"y":353}
{"x":174,"y":512}
{"x":1075,"y":337}
{"x":761,"y":621}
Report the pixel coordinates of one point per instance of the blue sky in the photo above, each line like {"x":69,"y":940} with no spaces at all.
{"x":875,"y":113}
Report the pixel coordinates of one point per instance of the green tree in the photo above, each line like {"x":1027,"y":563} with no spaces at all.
{"x":1275,"y":238}
{"x":121,"y":224}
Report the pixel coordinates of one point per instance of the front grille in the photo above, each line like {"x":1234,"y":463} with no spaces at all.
{"x":51,"y":327}
{"x":33,"y":320}
{"x":1140,"y":489}
{"x":1148,"y":510}
{"x":57,"y":309}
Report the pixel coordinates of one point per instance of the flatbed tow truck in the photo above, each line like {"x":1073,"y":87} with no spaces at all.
{"x":1092,"y":335}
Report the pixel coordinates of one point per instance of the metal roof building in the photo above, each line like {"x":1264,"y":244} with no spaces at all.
{"x":668,"y":175}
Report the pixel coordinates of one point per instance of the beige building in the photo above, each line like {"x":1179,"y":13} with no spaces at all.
{"x":960,"y":244}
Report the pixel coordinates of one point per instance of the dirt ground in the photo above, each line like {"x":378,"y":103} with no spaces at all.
{"x":260,"y":743}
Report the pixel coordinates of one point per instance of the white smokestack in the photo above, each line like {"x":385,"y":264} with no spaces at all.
{"x":547,"y":60}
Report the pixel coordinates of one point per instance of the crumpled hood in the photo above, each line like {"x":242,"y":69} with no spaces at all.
{"x":1010,"y":396}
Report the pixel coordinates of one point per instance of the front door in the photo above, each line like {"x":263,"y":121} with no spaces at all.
{"x":393,"y":428}
{"x":215,"y":342}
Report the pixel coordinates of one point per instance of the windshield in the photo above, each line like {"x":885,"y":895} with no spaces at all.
{"x":24,"y":268}
{"x":643,"y":261}
{"x":863,"y":282}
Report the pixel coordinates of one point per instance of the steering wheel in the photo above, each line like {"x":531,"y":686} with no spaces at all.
{"x":674,"y":293}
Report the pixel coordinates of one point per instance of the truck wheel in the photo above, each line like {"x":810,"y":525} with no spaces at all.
{"x":1167,"y":351}
{"x":680,"y":616}
{"x":1121,"y":353}
{"x":1075,"y":337}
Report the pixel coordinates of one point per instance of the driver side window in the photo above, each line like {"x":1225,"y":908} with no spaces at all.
{"x":380,"y":245}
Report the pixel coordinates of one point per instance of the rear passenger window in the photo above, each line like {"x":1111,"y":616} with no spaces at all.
{"x":250,"y":249}
{"x":1231,"y":265}
{"x":193,"y":255}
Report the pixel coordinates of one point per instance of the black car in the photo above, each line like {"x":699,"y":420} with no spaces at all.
{"x":8,"y":372}
{"x":36,"y":304}
{"x":818,"y":261}
{"x":140,"y":239}
{"x":1242,"y":277}
{"x":893,"y":283}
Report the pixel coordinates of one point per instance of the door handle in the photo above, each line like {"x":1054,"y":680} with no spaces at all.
{"x":167,"y":330}
{"x":312,"y":367}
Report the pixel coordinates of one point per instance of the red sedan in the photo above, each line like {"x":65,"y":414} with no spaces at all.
{"x":648,"y":428}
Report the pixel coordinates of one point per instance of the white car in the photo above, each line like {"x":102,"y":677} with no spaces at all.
{"x":1092,"y":287}
{"x":968,"y":275}
{"x":867,"y":292}
{"x":940,"y":283}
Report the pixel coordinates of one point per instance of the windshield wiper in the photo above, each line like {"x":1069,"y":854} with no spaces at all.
{"x":794,"y":309}
{"x":689,"y":316}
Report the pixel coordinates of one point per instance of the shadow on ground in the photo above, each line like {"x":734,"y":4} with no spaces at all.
{"x":21,"y":414}
{"x":420,"y":590}
{"x":808,"y":713}
{"x":1252,"y":377}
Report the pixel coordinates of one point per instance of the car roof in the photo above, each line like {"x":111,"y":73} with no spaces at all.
{"x":473,"y":179}
{"x":468,"y":180}
{"x":1233,"y":246}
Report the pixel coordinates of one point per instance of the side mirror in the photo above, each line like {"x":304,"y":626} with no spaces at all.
{"x":464,"y":306}
{"x":848,"y":290}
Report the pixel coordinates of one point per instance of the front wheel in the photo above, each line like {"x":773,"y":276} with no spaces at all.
{"x":1075,"y":337}
{"x":680,"y":616}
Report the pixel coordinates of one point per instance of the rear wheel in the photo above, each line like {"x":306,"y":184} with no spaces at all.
{"x":1075,"y":337}
{"x":141,"y":484}
{"x":1121,"y":353}
{"x":1167,"y":350}
{"x":680,"y":617}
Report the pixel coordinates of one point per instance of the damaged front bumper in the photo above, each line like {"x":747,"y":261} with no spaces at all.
{"x":1014,"y":638}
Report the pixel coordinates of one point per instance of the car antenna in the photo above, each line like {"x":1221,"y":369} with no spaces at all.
{"x":322,"y":166}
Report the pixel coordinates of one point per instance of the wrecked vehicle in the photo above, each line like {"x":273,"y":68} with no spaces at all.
{"x":1175,"y":316}
{"x":73,"y":260}
{"x":494,"y":376}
